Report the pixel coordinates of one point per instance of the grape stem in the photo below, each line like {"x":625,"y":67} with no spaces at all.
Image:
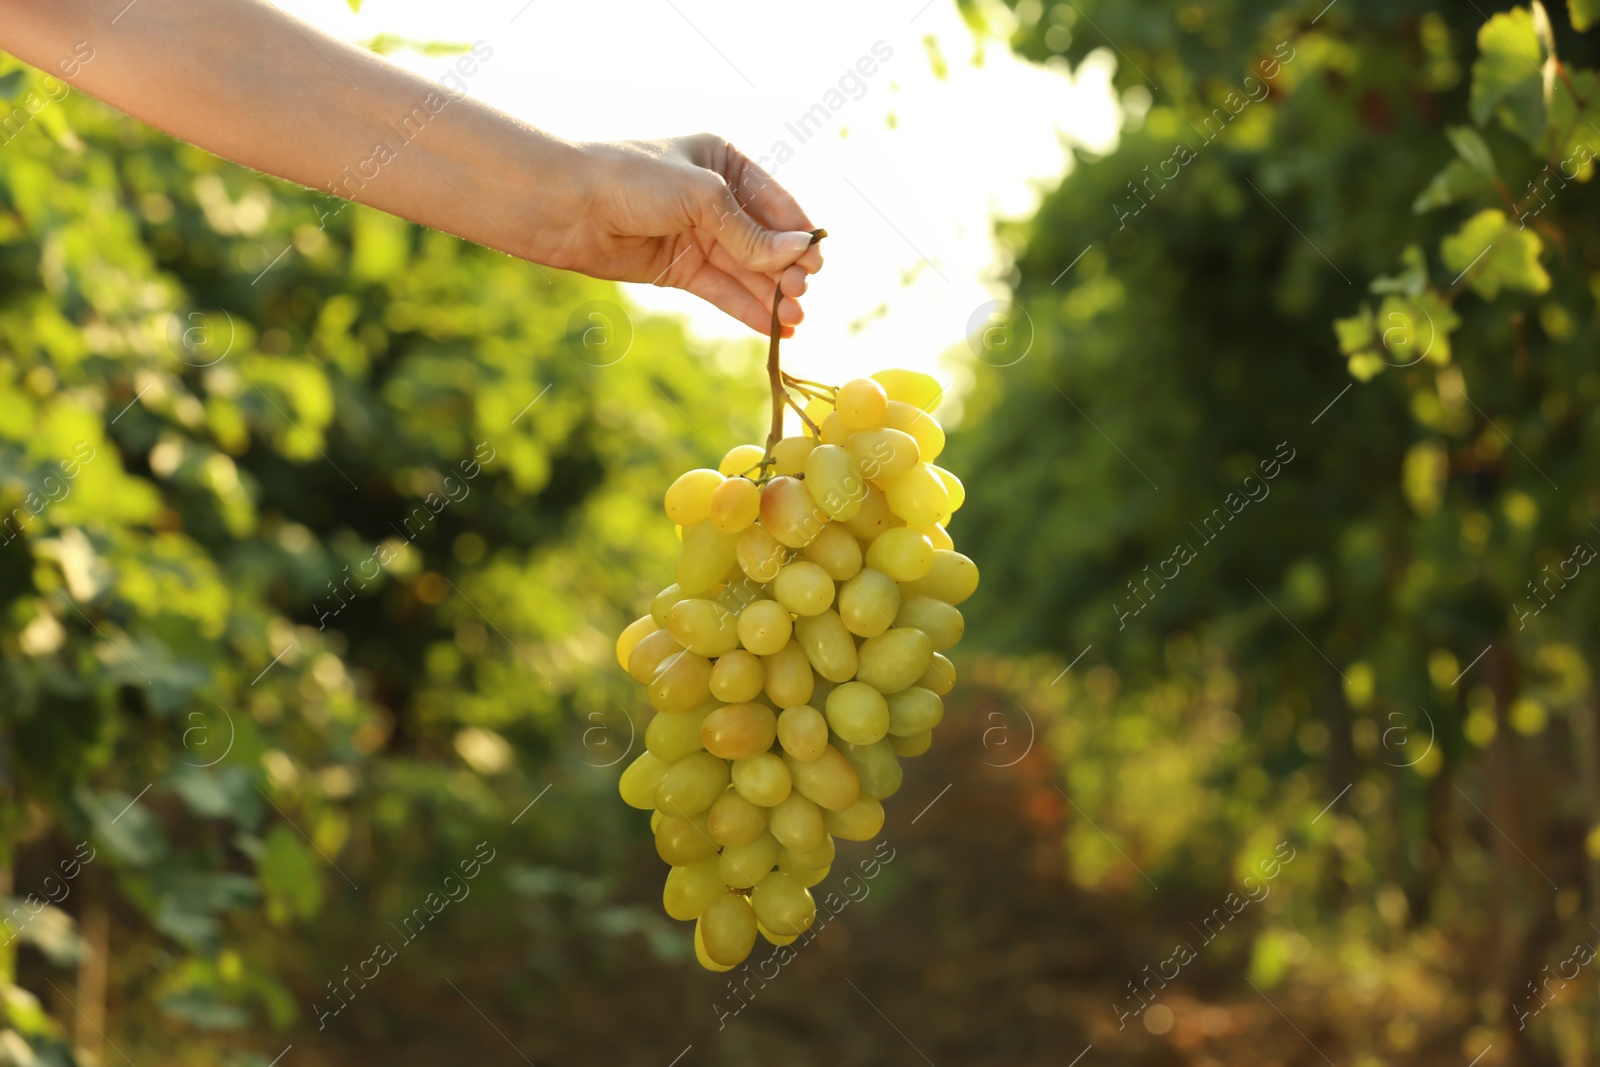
{"x":775,"y":375}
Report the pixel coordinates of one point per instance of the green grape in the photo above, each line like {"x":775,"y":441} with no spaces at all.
{"x":910,"y":387}
{"x":661,"y":604}
{"x":894,"y":659}
{"x":743,"y":866}
{"x":803,"y":588}
{"x":764,"y":627}
{"x":691,"y":784}
{"x":937,"y":537}
{"x":817,"y":409}
{"x":735,"y":504}
{"x":820,"y":691}
{"x":833,"y":431}
{"x":775,"y":939}
{"x":952,"y":578}
{"x":919,"y":424}
{"x":861,"y":403}
{"x":688,"y":499}
{"x":789,"y":454}
{"x":637,"y":631}
{"x":683,"y":681}
{"x":868,"y":602}
{"x":940,"y":677}
{"x":704,"y":627}
{"x":763,"y":780}
{"x":836,"y":551}
{"x":783,"y":905}
{"x":638,"y":782}
{"x":691,"y":887}
{"x":670,"y":737}
{"x":700,"y":948}
{"x":829,"y":781}
{"x":650,"y":653}
{"x":802,"y":731}
{"x":759,"y":554}
{"x":835,"y":482}
{"x":874,"y":517}
{"x":883,"y":453}
{"x":740,"y":591}
{"x":942,"y":623}
{"x":914,"y":710}
{"x":860,"y":821}
{"x":902,"y":553}
{"x":952,"y":485}
{"x":815,"y":860}
{"x":682,"y":840}
{"x":737,"y":677}
{"x":733,"y":820}
{"x":741,"y":460}
{"x":912,"y":744}
{"x":739,"y":731}
{"x":797,"y":823}
{"x":789,"y":513}
{"x":727,"y":929}
{"x":828,"y":646}
{"x":858,"y":713}
{"x":876,"y":766}
{"x":708,"y":554}
{"x":917,"y":496}
{"x":811,"y":878}
{"x":789,"y":677}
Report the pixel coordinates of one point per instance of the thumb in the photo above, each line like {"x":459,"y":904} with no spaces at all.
{"x":749,"y":243}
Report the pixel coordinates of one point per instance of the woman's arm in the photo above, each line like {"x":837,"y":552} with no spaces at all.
{"x":256,"y":86}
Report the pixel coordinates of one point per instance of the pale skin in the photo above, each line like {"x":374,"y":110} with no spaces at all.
{"x":256,"y":86}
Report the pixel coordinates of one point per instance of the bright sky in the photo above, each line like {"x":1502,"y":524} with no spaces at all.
{"x":908,"y":176}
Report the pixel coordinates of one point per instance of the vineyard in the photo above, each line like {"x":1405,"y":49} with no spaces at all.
{"x":378,"y":633}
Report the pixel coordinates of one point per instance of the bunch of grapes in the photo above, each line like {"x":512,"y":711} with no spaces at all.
{"x":797,"y":658}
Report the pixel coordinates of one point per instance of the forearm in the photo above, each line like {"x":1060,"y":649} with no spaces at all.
{"x":246,"y":81}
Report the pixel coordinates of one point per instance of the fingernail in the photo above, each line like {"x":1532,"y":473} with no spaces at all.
{"x":791,"y":244}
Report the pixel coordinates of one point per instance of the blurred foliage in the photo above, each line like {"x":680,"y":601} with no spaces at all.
{"x":317,"y":531}
{"x":317,"y":527}
{"x":1382,"y":648}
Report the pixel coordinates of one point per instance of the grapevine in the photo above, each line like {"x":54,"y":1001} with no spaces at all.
{"x":798,"y":656}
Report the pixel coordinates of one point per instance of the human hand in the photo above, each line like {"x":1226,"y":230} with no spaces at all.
{"x":696,"y":214}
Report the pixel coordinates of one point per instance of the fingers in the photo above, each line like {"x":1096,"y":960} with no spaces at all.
{"x":794,"y":281}
{"x":767,"y":201}
{"x":734,"y":297}
{"x":751,"y":245}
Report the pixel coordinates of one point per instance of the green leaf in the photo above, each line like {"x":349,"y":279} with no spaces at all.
{"x":1470,"y":147}
{"x":1583,"y":13}
{"x":205,"y":1009}
{"x":1424,"y":473}
{"x":1494,"y":254}
{"x":125,"y":828}
{"x":1457,"y":181}
{"x":1572,"y":128}
{"x":1411,"y":280}
{"x":51,"y":931}
{"x":190,"y":901}
{"x":1507,"y":76}
{"x":289,"y":876}
{"x":1414,"y":329}
{"x":1355,"y":333}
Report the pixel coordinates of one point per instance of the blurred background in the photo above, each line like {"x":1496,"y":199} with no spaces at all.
{"x":1270,"y":334}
